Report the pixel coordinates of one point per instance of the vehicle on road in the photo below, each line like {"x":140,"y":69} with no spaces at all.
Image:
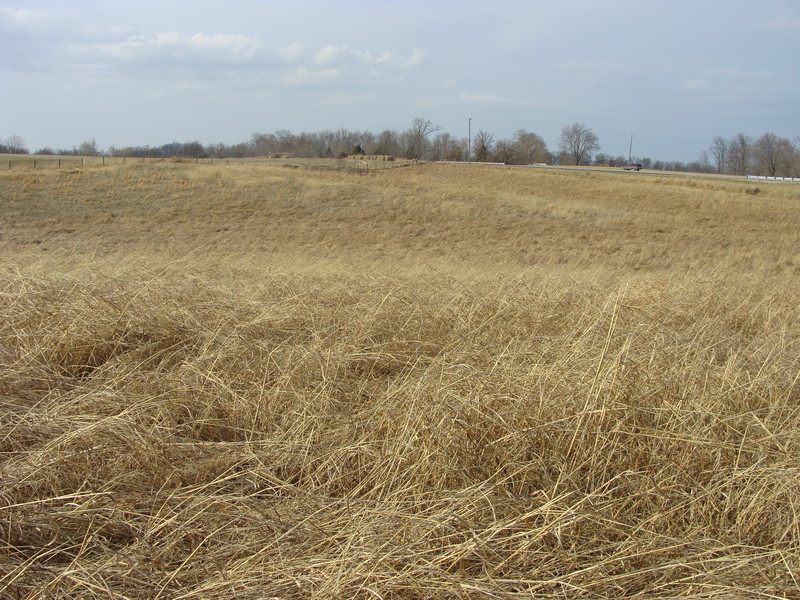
{"x":632,"y":167}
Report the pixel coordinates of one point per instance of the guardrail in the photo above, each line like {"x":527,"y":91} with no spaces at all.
{"x":779,"y":179}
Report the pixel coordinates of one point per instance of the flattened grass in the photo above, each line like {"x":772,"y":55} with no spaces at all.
{"x":241,"y":382}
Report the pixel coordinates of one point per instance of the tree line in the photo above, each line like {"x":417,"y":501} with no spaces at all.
{"x":769,"y":155}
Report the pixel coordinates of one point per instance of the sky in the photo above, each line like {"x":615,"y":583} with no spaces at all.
{"x":673,"y":74}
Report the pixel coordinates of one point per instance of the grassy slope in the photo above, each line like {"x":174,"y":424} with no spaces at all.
{"x":440,"y":381}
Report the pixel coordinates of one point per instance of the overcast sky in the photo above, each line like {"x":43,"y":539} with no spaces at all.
{"x":673,"y":74}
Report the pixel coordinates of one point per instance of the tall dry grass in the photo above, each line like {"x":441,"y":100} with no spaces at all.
{"x":439,"y":382}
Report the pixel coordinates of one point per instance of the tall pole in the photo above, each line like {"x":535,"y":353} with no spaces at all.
{"x":469,"y":142}
{"x":630,"y":149}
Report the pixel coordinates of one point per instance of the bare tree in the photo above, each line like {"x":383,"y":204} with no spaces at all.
{"x":387,"y":143}
{"x":794,"y":167}
{"x":719,"y":151}
{"x":739,"y":151}
{"x":14,"y":144}
{"x":482,"y":145}
{"x":192,"y":150}
{"x":423,"y":127}
{"x":443,"y":146}
{"x":773,"y":155}
{"x":87,"y":148}
{"x":505,"y":151}
{"x":578,"y":142}
{"x":529,"y":147}
{"x":263,"y":144}
{"x":704,"y":164}
{"x":417,"y":137}
{"x":787,"y":157}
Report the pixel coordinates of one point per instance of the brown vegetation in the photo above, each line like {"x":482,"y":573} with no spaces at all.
{"x":235,"y":381}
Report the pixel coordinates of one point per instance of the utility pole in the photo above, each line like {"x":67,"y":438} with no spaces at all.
{"x":630,"y":149}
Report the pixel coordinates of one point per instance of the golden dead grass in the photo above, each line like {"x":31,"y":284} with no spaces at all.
{"x":437,"y":382}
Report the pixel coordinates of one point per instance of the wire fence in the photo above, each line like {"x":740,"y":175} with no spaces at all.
{"x":41,"y":162}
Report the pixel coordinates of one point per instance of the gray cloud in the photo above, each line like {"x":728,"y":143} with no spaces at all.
{"x":676,"y":73}
{"x":329,"y":64}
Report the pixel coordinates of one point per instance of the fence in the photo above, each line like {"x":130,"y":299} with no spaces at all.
{"x":41,"y":162}
{"x":45,"y":161}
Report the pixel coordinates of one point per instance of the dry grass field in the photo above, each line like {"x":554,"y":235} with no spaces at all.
{"x":436,"y":382}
